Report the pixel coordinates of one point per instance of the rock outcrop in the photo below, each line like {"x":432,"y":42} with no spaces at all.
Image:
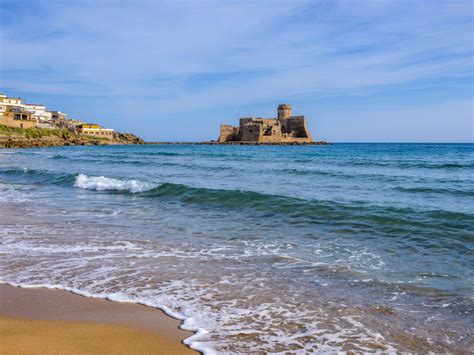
{"x":38,"y":137}
{"x":127,"y":138}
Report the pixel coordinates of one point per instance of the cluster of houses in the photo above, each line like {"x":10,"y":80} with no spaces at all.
{"x":15,"y":113}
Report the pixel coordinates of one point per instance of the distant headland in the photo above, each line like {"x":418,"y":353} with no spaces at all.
{"x":24,"y":125}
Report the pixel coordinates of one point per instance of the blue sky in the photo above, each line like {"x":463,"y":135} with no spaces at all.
{"x":361,"y":70}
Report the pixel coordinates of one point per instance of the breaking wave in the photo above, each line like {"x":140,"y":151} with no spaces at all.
{"x":102,"y":183}
{"x":305,"y":211}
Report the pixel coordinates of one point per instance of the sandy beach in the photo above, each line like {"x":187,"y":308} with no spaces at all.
{"x":53,"y":321}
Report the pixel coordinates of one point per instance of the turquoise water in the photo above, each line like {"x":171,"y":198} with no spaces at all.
{"x":359,"y":247}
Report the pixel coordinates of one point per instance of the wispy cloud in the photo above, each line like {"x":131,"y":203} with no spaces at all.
{"x":188,"y":56}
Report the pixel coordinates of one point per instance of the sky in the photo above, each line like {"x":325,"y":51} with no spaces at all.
{"x":360,"y":70}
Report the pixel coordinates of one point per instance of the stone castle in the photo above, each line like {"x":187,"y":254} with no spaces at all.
{"x":283,"y":129}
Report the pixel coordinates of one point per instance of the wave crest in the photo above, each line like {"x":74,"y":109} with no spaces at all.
{"x":102,"y":183}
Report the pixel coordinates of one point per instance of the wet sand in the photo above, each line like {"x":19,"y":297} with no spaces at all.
{"x":46,"y":321}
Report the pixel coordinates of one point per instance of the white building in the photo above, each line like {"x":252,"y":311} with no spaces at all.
{"x":39,"y":113}
{"x":10,"y":102}
{"x":2,"y":106}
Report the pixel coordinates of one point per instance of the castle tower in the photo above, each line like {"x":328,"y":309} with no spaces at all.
{"x":284,"y":111}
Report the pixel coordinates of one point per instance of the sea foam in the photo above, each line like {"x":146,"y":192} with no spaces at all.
{"x":102,"y":183}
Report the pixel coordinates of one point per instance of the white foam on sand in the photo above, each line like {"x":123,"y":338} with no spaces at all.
{"x":102,"y":183}
{"x":188,"y":323}
{"x":223,"y":318}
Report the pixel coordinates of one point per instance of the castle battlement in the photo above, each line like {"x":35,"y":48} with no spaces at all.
{"x":283,"y":129}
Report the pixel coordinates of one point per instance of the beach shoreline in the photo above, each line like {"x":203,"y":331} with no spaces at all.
{"x":31,"y":317}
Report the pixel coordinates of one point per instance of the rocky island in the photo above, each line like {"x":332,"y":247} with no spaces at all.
{"x":284,"y":130}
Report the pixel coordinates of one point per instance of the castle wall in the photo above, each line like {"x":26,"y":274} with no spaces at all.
{"x":228,"y":133}
{"x":249,"y":132}
{"x":260,"y":129}
{"x":284,"y":125}
{"x":297,"y":127}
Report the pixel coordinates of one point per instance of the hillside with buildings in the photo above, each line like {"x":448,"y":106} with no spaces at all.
{"x":33,"y":125}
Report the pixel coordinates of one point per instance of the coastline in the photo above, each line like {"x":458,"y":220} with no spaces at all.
{"x":46,"y":137}
{"x":239,"y":143}
{"x":43,"y":137}
{"x":13,"y":143}
{"x":31,"y":317}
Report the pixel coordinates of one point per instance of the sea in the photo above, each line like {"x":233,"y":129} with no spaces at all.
{"x":257,"y":249}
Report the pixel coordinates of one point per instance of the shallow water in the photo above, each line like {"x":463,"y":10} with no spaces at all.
{"x":359,"y":247}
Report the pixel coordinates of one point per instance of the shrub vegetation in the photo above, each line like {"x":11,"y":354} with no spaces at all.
{"x":35,"y":132}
